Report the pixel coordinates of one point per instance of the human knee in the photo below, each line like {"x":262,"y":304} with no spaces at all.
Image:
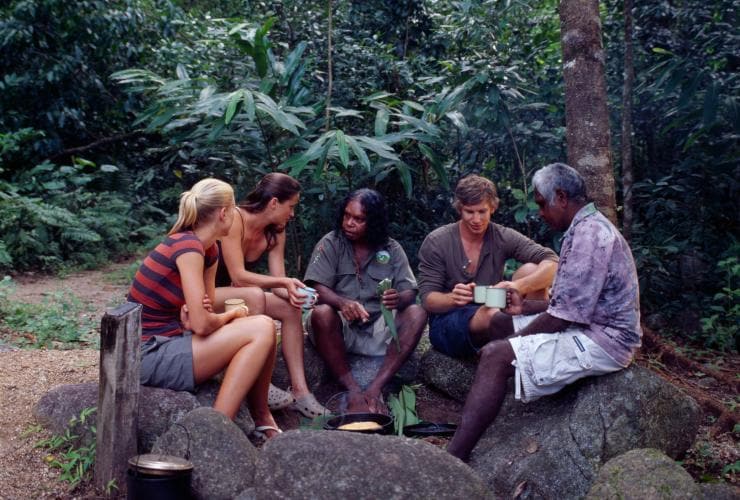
{"x":500,"y":325}
{"x":524,"y":270}
{"x":264,"y":327}
{"x":323,"y":317}
{"x":497,"y":352}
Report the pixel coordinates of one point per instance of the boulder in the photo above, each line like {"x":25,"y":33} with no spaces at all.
{"x":554,"y":446}
{"x":718,"y":491}
{"x":338,"y":465}
{"x":158,"y":409}
{"x":58,"y":407}
{"x":222,"y":456}
{"x":206,"y":396}
{"x":643,"y":473}
{"x":451,"y":376}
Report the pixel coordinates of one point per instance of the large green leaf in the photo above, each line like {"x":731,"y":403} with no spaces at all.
{"x":342,"y":147}
{"x":358,"y":151}
{"x":381,"y":122}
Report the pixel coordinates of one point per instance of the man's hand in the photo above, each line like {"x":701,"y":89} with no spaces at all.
{"x":391,"y":299}
{"x":354,"y":311}
{"x":462,"y":294}
{"x":514,"y":302}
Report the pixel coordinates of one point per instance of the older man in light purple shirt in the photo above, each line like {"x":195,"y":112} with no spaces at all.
{"x":591,"y":325}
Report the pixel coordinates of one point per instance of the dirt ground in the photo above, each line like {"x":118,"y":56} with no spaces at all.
{"x":26,"y":375}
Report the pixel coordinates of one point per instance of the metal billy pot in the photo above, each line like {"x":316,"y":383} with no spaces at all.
{"x":163,"y":477}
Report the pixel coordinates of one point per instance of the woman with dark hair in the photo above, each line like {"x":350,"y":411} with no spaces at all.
{"x":185,"y":343}
{"x":359,"y":271}
{"x":376,"y":216}
{"x":259,"y":227}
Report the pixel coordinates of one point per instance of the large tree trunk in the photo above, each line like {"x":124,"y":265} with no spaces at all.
{"x":586,"y":113}
{"x":629,"y":78}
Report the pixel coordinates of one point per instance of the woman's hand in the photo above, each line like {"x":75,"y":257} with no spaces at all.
{"x":391,"y":299}
{"x":295,"y":296}
{"x":354,"y":311}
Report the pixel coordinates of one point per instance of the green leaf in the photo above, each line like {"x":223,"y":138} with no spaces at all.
{"x":249,"y":105}
{"x":381,"y":122}
{"x":181,"y":72}
{"x":405,"y":174}
{"x":358,"y":151}
{"x":379,"y":148}
{"x":342,"y":147}
{"x":235,"y":100}
{"x":376,"y":96}
{"x":710,"y":105}
{"x":458,"y":120}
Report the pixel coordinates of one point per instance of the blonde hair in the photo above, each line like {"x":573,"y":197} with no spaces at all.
{"x":199,"y":204}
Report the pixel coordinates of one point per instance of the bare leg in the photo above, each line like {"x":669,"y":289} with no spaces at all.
{"x":253,"y":296}
{"x":409,"y":324}
{"x":485,"y":397}
{"x":499,"y":327}
{"x":292,"y":341}
{"x":327,"y":327}
{"x":526,"y":270}
{"x":246,"y":348}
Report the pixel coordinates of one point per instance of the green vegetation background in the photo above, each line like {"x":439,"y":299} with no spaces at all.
{"x":109,"y":109}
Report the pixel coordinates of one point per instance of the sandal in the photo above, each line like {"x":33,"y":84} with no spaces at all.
{"x":260,"y":432}
{"x":309,"y":407}
{"x":278,"y":399}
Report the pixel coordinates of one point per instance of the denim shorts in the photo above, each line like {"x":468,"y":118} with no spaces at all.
{"x":449,"y":333}
{"x":167,"y":362}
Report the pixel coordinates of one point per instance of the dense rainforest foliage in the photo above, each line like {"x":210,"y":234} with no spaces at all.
{"x":109,"y":109}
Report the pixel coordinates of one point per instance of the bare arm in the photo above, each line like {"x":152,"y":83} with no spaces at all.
{"x":350,"y":309}
{"x":233,"y":255}
{"x":393,"y":299}
{"x":193,"y":277}
{"x":440,"y":302}
{"x":276,"y":265}
{"x":544,"y":323}
{"x":541,"y":278}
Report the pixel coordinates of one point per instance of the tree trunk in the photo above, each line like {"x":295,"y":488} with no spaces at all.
{"x":586,"y":113}
{"x":329,"y":69}
{"x":629,"y":78}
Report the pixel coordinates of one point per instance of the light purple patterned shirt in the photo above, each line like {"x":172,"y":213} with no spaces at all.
{"x":596,"y":285}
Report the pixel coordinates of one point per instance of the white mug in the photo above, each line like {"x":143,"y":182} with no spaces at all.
{"x":496,"y":297}
{"x":479,"y":294}
{"x":311,"y":296}
{"x":230,"y":304}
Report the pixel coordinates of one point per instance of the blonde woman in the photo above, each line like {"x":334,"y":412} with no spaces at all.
{"x":185,"y":343}
{"x":259,"y":227}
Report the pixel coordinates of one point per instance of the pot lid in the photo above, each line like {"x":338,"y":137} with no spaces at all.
{"x":160,"y":463}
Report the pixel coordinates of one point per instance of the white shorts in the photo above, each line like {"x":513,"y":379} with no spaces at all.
{"x":547,"y":362}
{"x":372,"y":341}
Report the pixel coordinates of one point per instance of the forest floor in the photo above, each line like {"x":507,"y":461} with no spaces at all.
{"x":27,"y":374}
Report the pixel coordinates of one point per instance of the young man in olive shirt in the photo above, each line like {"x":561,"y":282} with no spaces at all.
{"x":473,"y":251}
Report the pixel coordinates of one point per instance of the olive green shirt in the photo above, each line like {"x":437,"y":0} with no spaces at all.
{"x":332,"y":265}
{"x":443,"y":263}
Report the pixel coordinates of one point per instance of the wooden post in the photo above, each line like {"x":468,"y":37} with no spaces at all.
{"x":118,"y":394}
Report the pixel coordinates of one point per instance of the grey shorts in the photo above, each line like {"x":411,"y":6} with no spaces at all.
{"x":167,"y":362}
{"x":547,"y":362}
{"x":368,"y":341}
